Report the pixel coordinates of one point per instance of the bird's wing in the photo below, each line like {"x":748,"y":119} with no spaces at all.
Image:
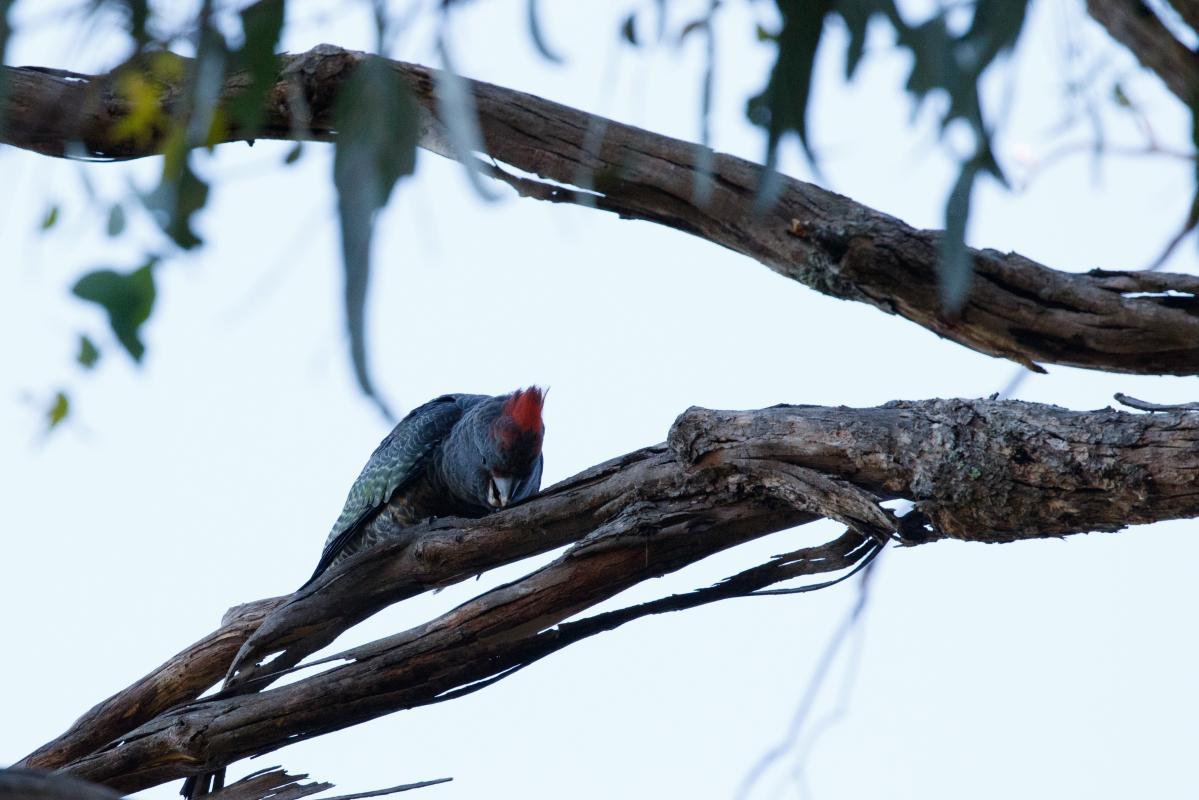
{"x":397,"y":460}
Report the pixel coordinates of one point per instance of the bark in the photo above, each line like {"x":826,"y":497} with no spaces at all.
{"x":33,"y":784}
{"x":182,"y":678}
{"x":987,"y":471}
{"x":1122,"y":321}
{"x":271,"y":783}
{"x":1133,"y":24}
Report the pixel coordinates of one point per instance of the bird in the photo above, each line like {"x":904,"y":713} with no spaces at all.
{"x":463,"y":455}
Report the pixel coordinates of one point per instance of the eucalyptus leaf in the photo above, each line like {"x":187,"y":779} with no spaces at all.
{"x":128,"y":299}
{"x":782,"y":106}
{"x":178,"y":197}
{"x":376,"y":146}
{"x":956,"y":265}
{"x":856,"y":14}
{"x":628,"y":29}
{"x":538,"y":36}
{"x":58,"y":411}
{"x":116,"y":220}
{"x":456,"y":107}
{"x":262,"y":24}
{"x":137,"y":13}
{"x":89,"y":354}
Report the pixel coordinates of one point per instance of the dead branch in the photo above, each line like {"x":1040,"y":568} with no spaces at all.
{"x":1133,"y":24}
{"x":274,"y":783}
{"x":977,"y":470}
{"x":1145,"y":405}
{"x":35,"y":784}
{"x":1018,"y":309}
{"x":181,"y":679}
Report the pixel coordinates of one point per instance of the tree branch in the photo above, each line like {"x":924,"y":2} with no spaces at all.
{"x":35,"y":784}
{"x":181,"y":679}
{"x":993,"y":471}
{"x":1018,"y":309}
{"x":1189,"y":11}
{"x":1134,"y":25}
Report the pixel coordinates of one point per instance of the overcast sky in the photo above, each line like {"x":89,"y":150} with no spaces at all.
{"x":209,"y":476}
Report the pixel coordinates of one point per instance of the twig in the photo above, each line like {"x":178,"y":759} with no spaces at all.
{"x":1188,"y":226}
{"x":815,"y":683}
{"x":1143,"y":405}
{"x":393,"y":790}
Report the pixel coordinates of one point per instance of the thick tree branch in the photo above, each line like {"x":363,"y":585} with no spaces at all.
{"x":35,"y":784}
{"x":979,"y":470}
{"x":1134,"y":25}
{"x":1018,"y":309}
{"x":181,"y":679}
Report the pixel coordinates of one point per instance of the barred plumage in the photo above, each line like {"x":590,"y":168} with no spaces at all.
{"x":459,"y":455}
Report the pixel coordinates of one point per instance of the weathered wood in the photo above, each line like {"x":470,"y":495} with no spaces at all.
{"x":1133,"y":24}
{"x":273,"y":783}
{"x":1145,"y":405}
{"x":977,"y":470}
{"x":1017,"y":309}
{"x":181,"y":679}
{"x":36,"y":784}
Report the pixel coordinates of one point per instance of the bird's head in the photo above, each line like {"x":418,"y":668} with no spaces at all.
{"x":513,"y":445}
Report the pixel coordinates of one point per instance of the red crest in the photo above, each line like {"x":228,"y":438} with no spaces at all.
{"x":519,"y":427}
{"x":523,"y":407}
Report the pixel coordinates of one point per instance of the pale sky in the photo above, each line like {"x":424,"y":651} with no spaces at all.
{"x":209,"y":476}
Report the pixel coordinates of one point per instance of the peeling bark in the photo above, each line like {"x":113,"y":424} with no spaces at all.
{"x":181,"y":679}
{"x":977,"y":470}
{"x":1018,"y":309}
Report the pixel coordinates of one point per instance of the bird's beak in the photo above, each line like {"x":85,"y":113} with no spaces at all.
{"x":501,"y":493}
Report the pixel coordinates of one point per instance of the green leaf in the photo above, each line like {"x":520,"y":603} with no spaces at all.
{"x":178,"y":197}
{"x":58,"y":411}
{"x":50,"y":218}
{"x":628,"y":29}
{"x":127,"y":297}
{"x":376,"y":146}
{"x":456,"y":109}
{"x":262,"y":23}
{"x":293,"y":155}
{"x":856,"y":14}
{"x":116,"y":220}
{"x":89,"y":354}
{"x":1121,"y":97}
{"x":783,"y":105}
{"x":995,"y":28}
{"x":538,"y":36}
{"x":138,"y":13}
{"x":956,"y":267}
